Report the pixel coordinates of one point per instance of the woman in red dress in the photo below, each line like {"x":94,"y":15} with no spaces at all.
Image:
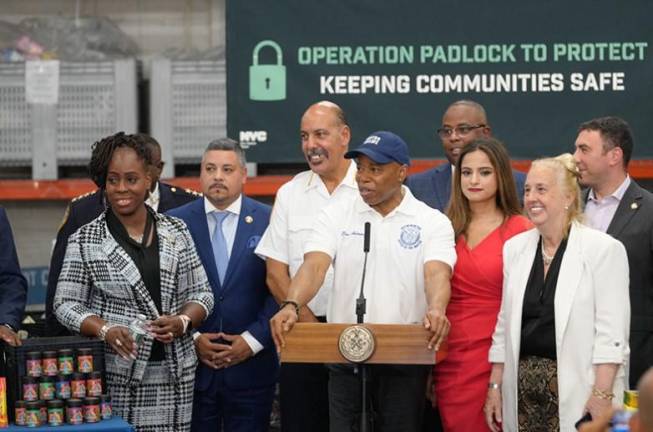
{"x":485,"y":212}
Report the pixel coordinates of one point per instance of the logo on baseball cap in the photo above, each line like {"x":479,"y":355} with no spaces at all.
{"x":382,"y":147}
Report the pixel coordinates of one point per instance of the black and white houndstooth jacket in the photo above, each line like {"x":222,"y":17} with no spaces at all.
{"x":99,"y":278}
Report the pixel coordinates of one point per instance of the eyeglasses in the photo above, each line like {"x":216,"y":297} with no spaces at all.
{"x":461,"y":130}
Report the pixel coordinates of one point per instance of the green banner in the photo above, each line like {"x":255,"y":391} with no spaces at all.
{"x":539,"y":68}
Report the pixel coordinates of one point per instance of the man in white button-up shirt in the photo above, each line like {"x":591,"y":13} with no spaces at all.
{"x":412,"y":254}
{"x":325,"y":138}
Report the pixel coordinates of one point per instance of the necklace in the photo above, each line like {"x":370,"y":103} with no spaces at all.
{"x":548,"y":259}
{"x":139,"y":238}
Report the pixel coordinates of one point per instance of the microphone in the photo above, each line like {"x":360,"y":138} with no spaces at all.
{"x":366,"y":241}
{"x":360,"y":312}
{"x":361,"y":302}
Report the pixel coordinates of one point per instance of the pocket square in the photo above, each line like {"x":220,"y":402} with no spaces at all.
{"x":252,"y":242}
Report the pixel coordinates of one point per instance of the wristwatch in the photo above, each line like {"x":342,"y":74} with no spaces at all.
{"x":290,"y":302}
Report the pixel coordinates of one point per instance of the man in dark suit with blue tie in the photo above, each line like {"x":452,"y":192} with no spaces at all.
{"x":13,"y":286}
{"x":234,"y":385}
{"x":462,"y":123}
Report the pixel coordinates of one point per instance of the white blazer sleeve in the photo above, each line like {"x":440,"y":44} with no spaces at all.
{"x":612,"y":304}
{"x":497,"y":352}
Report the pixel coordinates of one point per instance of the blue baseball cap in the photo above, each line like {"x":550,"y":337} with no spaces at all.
{"x":382,"y":147}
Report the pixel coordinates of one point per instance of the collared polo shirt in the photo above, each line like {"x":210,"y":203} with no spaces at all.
{"x":599,"y":212}
{"x":295,"y":211}
{"x":400,"y":244}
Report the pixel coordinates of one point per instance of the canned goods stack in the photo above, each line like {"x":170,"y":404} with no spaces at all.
{"x":61,"y":386}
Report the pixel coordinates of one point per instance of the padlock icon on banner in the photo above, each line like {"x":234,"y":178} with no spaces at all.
{"x":267,"y":82}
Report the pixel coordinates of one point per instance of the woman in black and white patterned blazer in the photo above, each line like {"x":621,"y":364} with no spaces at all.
{"x":129,"y":261}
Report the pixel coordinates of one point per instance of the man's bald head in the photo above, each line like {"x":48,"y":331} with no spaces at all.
{"x":471,"y":105}
{"x":328,"y":106}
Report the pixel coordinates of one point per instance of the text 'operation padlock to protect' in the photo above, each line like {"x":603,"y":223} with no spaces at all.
{"x":267,"y":82}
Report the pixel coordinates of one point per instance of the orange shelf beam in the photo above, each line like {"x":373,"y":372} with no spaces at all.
{"x":63,"y":190}
{"x":56,"y":190}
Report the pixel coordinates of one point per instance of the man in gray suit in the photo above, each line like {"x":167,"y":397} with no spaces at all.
{"x":463,"y":122}
{"x":616,"y":204}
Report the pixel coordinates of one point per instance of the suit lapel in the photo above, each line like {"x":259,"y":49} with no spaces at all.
{"x":244,"y":231}
{"x":442,"y":183}
{"x":571,"y":269}
{"x":628,"y":206}
{"x":168,"y":259}
{"x":523,"y":268}
{"x":125,"y":267}
{"x":200,"y":229}
{"x":165,"y":198}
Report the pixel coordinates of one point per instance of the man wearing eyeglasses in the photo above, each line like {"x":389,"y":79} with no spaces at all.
{"x":463,"y":122}
{"x":83,"y":209}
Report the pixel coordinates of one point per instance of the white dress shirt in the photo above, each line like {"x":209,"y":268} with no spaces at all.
{"x":599,"y":212}
{"x":296,"y":208}
{"x":229,"y":224}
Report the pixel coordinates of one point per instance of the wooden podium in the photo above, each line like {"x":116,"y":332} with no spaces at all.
{"x":404,"y":344}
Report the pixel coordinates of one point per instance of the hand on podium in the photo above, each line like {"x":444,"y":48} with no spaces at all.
{"x":436,"y":321}
{"x":281,"y":323}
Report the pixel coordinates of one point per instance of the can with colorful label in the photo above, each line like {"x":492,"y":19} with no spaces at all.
{"x":66,"y":361}
{"x":74,"y":412}
{"x":105,"y":407}
{"x":78,"y":385}
{"x":20,"y":412}
{"x":32,"y":414}
{"x":92,"y":409}
{"x":33,"y":364}
{"x":84,"y":360}
{"x":55,"y":412}
{"x":30,"y":389}
{"x":50,"y":363}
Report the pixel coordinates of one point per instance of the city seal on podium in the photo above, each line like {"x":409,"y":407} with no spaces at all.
{"x":356,"y":343}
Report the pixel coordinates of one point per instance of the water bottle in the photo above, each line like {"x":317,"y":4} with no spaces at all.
{"x":137,"y":330}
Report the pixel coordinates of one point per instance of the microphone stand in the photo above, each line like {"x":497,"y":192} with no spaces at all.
{"x":360,"y":313}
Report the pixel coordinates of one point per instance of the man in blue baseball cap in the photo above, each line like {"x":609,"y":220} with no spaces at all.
{"x":411,"y":257}
{"x":382,"y":161}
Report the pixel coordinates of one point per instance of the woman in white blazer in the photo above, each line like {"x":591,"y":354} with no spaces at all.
{"x":560,"y":346}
